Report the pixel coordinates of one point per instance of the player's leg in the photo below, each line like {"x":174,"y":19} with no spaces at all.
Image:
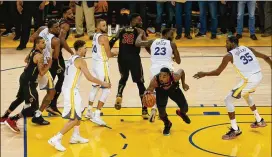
{"x":178,"y":97}
{"x":60,"y":69}
{"x":124,"y":71}
{"x":138,"y":78}
{"x":162,"y":99}
{"x":154,"y":71}
{"x":72,"y":111}
{"x":37,"y":118}
{"x":234,"y":130}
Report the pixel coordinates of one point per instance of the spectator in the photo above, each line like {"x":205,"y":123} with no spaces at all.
{"x":228,"y":22}
{"x":203,"y":18}
{"x":251,"y":5}
{"x":170,"y":13}
{"x":260,"y":5}
{"x":85,"y":8}
{"x":188,"y":14}
{"x":12,"y":18}
{"x":268,"y":17}
{"x":28,"y":10}
{"x":114,"y":8}
{"x":139,"y":5}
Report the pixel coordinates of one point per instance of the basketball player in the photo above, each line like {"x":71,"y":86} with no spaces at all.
{"x":129,"y":60}
{"x":73,"y":107}
{"x":162,"y":50}
{"x":58,"y":66}
{"x":46,"y":82}
{"x":245,"y":62}
{"x":28,"y":84}
{"x":100,"y":69}
{"x":166,"y":84}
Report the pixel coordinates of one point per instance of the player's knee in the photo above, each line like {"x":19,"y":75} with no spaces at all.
{"x":229,"y":105}
{"x":248,"y":99}
{"x":93,"y":93}
{"x":51,"y":94}
{"x":105,"y":94}
{"x":123,"y":80}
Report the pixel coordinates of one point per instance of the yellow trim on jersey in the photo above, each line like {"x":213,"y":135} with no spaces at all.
{"x":239,"y":90}
{"x":72,"y":94}
{"x":105,"y":58}
{"x":239,"y":72}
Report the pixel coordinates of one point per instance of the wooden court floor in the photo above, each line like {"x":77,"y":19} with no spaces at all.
{"x":135,"y":137}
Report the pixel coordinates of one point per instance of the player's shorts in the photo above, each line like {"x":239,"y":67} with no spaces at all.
{"x":155,"y":69}
{"x":247,"y":86}
{"x":100,"y":70}
{"x":134,"y":66}
{"x":58,"y":67}
{"x":46,"y":82}
{"x":73,"y":106}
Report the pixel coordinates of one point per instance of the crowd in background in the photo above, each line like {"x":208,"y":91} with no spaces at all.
{"x":230,"y":16}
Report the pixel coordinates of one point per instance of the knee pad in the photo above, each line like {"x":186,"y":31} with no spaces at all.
{"x":228,"y":101}
{"x":248,"y":99}
{"x":104,"y":95}
{"x":93,"y":93}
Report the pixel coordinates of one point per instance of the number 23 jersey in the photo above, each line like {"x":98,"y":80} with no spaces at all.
{"x":161,"y":52}
{"x":245,"y":61}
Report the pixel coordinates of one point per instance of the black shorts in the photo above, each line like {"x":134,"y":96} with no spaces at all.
{"x":28,"y":92}
{"x":58,"y":67}
{"x":176,"y":95}
{"x":132,"y":65}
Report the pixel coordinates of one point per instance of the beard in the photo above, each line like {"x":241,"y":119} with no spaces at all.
{"x":103,"y":31}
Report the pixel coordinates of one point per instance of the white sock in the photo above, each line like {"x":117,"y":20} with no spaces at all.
{"x":257,"y":116}
{"x":76,"y":130}
{"x":234,"y":124}
{"x":59,"y":136}
{"x":38,"y":113}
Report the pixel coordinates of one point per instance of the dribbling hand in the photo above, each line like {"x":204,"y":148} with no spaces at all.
{"x":199,"y":75}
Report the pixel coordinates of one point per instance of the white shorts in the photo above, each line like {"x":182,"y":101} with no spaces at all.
{"x":73,"y":106}
{"x":100,"y":70}
{"x":46,"y":82}
{"x":247,"y":86}
{"x":155,"y":69}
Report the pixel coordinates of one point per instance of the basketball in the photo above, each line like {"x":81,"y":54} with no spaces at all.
{"x":149,"y":100}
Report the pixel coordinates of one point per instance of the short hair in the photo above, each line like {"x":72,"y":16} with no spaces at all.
{"x":133,"y":16}
{"x":65,"y":9}
{"x":165,"y":31}
{"x":233,"y":39}
{"x":51,"y":23}
{"x":166,"y":70}
{"x":78,"y":44}
{"x":37,"y":40}
{"x":97,"y":22}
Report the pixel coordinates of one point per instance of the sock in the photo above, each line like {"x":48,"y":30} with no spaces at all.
{"x":257,"y":116}
{"x":59,"y":136}
{"x":6,"y":114}
{"x":234,"y":124}
{"x":76,"y":131}
{"x":16,"y":117}
{"x":38,"y":113}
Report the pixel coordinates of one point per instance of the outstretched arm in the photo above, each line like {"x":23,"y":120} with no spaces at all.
{"x":180,"y":74}
{"x":176,"y":52}
{"x":140,"y":42}
{"x":115,"y":38}
{"x":63,"y":32}
{"x":36,"y":34}
{"x":263,"y":56}
{"x":217,"y":72}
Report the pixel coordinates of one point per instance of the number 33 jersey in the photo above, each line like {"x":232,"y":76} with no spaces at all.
{"x":161,"y":53}
{"x":245,"y":61}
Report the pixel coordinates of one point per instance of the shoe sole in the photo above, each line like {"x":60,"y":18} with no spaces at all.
{"x":11,"y":127}
{"x":232,"y":137}
{"x":78,"y":142}
{"x":259,"y":126}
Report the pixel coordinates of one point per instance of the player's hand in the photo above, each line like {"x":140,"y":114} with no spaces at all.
{"x":115,"y":53}
{"x":185,"y":87}
{"x":106,"y":85}
{"x":19,"y":9}
{"x":199,"y":75}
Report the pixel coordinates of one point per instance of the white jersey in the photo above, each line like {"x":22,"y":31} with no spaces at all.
{"x":72,"y":74}
{"x":98,"y":51}
{"x":161,"y":53}
{"x":245,"y":61}
{"x":48,"y":38}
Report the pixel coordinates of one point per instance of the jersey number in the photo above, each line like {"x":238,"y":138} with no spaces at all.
{"x":67,"y":68}
{"x":160,"y":51}
{"x":94,"y":49}
{"x":128,"y":38}
{"x":246,"y":58}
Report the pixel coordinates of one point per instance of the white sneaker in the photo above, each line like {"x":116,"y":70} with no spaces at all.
{"x":56,"y":143}
{"x":89,"y":114}
{"x":78,"y":139}
{"x":109,"y":31}
{"x":97,"y":119}
{"x":153,"y":115}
